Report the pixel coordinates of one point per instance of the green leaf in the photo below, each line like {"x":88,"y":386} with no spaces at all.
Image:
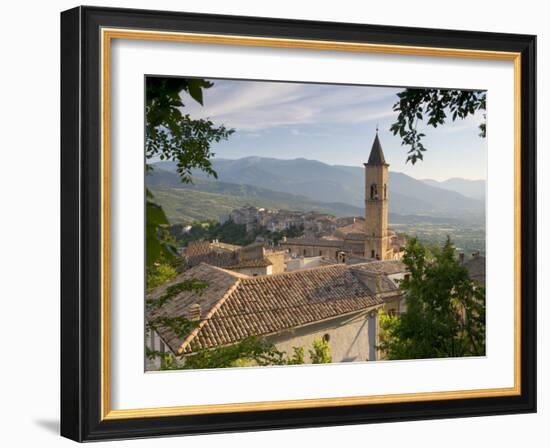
{"x":194,"y":87}
{"x":156,"y":246}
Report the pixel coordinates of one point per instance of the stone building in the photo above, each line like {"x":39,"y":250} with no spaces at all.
{"x":312,"y":247}
{"x":369,"y":238}
{"x":308,"y":288}
{"x":337,"y":303}
{"x":376,"y":204}
{"x":254,"y":259}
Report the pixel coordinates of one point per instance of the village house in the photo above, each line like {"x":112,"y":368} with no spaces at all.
{"x":337,"y":303}
{"x":277,"y":220}
{"x":254,"y":259}
{"x":330,"y":288}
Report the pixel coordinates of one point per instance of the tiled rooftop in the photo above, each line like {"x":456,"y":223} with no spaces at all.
{"x":387,"y":267}
{"x":235,"y":306}
{"x":254,"y":263}
{"x":313,"y":242}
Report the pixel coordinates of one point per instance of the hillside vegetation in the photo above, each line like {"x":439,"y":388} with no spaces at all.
{"x":189,"y":205}
{"x":315,"y":181}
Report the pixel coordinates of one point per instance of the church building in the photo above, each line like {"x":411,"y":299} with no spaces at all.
{"x":336,"y":301}
{"x":376,"y":204}
{"x":374,"y":240}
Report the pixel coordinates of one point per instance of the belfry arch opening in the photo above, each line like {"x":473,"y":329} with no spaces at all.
{"x":373,"y":191}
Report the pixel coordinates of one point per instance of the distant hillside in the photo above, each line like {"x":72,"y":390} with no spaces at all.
{"x":474,"y":189}
{"x":324,"y":183}
{"x":206,"y":199}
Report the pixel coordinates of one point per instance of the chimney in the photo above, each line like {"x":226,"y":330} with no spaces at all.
{"x":461,"y":257}
{"x":194,"y":312}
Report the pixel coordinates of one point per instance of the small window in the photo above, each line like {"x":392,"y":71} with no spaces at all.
{"x":372,"y":253}
{"x":373,"y":191}
{"x":320,"y":252}
{"x":304,"y":252}
{"x":326,"y":337}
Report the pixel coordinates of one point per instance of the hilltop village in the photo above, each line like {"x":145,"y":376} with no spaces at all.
{"x":329,"y":283}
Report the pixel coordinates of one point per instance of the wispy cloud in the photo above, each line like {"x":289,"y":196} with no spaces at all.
{"x":257,"y":106}
{"x":334,"y":124}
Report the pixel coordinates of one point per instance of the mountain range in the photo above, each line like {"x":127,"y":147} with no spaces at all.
{"x":474,"y":189}
{"x":312,"y":185}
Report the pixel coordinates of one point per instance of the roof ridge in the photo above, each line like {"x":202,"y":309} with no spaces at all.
{"x":301,"y":305}
{"x":299,"y":271}
{"x":236,"y":275}
{"x":210,"y":313}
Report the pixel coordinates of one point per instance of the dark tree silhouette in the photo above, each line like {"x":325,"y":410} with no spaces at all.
{"x":415,"y":105}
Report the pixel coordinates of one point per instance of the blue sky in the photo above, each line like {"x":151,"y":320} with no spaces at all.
{"x":334,"y":124}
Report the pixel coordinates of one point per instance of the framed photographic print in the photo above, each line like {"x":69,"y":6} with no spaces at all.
{"x":273,"y":223}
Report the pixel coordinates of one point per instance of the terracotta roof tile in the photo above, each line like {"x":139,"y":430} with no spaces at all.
{"x":387,"y":267}
{"x":255,"y":263}
{"x":255,"y":306}
{"x":313,"y":242}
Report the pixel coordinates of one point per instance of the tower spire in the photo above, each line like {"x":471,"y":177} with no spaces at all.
{"x":377,"y":241}
{"x":376,"y":156}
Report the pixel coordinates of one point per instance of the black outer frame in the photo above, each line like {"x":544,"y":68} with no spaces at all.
{"x":81,"y":207}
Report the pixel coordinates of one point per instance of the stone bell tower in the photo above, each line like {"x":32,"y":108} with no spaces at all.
{"x":376,"y":203}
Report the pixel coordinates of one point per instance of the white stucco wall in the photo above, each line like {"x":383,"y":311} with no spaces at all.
{"x":349,"y":338}
{"x":296,"y":264}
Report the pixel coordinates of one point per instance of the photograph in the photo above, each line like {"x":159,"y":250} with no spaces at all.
{"x":290,"y":223}
{"x":276,"y":223}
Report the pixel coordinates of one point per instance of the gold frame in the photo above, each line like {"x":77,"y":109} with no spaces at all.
{"x":107,"y":35}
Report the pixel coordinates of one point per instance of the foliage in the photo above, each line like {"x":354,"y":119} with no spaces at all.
{"x":159,"y":245}
{"x":249,"y":351}
{"x":445,"y":314}
{"x":232,"y":233}
{"x":252,"y":351}
{"x":321,"y":352}
{"x":191,"y":285}
{"x":171,"y":135}
{"x":298,"y":356}
{"x":434,"y":104}
{"x":180,"y":325}
{"x":158,"y":274}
